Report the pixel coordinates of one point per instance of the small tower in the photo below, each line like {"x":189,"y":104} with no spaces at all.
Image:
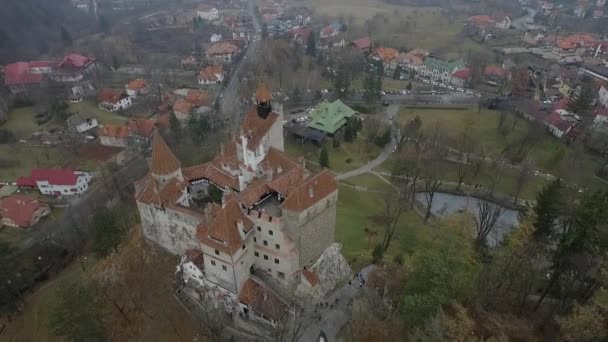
{"x":165,"y":166}
{"x":263,"y":101}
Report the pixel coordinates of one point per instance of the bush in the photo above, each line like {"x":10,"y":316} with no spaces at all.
{"x":377,"y":254}
{"x":7,"y":137}
{"x":349,"y":160}
{"x":398,"y":259}
{"x":215,"y":193}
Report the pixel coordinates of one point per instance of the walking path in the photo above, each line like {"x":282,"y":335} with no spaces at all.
{"x":391,"y":113}
{"x":332,"y":320}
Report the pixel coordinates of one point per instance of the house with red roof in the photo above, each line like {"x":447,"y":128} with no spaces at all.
{"x":561,"y":122}
{"x":21,"y":76}
{"x":22,"y":211}
{"x":461,"y":77}
{"x":136,"y":133}
{"x":569,"y":44}
{"x":361,"y":44}
{"x":113,"y":100}
{"x":72,"y":68}
{"x":136,"y":87}
{"x":496,"y":75}
{"x":387,"y":56}
{"x":328,"y":32}
{"x":222,"y":52}
{"x":600,"y":116}
{"x":56,"y":182}
{"x":212,"y":74}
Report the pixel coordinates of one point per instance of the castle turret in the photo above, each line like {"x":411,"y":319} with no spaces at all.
{"x":263,"y":101}
{"x":165,"y":165}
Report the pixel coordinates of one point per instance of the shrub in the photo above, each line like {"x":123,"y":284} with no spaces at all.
{"x":7,"y":137}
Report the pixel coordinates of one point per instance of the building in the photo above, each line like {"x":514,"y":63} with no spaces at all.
{"x":113,"y":100}
{"x":207,"y":12}
{"x":113,"y":135}
{"x":137,"y":87}
{"x":300,"y":35}
{"x":56,"y":182}
{"x":72,"y":68}
{"x":412,"y":60}
{"x":216,"y":37}
{"x":484,"y":21}
{"x":461,"y":77}
{"x":596,"y":71}
{"x":22,"y":76}
{"x":222,"y":52}
{"x":387,"y":56}
{"x":330,"y":31}
{"x":211,"y":75}
{"x":22,"y":211}
{"x":603,"y":96}
{"x":439,"y":70}
{"x":600,"y":117}
{"x":81,"y":122}
{"x":495,"y":75}
{"x":575,"y":43}
{"x":362,"y":44}
{"x":330,"y":117}
{"x":136,"y":133}
{"x":182,"y":109}
{"x":275,"y":217}
{"x":561,"y":122}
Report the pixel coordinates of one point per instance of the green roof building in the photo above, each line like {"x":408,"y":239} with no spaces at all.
{"x":330,"y":117}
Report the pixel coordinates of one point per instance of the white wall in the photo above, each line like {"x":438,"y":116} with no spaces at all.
{"x":82,"y":184}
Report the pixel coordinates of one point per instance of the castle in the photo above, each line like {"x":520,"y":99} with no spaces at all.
{"x":275,"y":217}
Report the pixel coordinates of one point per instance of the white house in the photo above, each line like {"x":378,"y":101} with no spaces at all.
{"x":211,"y":75}
{"x":57,"y":182}
{"x":603,"y":96}
{"x":216,"y":37}
{"x":561,"y":122}
{"x":112,"y":100}
{"x":207,"y":13}
{"x":81,"y":122}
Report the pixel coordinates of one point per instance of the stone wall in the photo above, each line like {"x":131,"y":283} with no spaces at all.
{"x":173,"y":230}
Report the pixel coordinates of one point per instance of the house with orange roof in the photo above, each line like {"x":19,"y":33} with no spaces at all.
{"x":113,"y":100}
{"x":136,"y":87}
{"x":222,"y":52}
{"x":212,"y":74}
{"x":275,"y":217}
{"x":413,"y":60}
{"x":182,"y":109}
{"x":574,"y":42}
{"x":22,"y":211}
{"x":387,"y":56}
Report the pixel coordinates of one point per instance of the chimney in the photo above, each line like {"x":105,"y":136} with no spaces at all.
{"x":311,"y":192}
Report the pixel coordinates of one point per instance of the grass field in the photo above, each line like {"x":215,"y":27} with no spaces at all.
{"x":370,"y":182}
{"x":18,"y":160}
{"x":347,"y":157}
{"x":102,"y":116}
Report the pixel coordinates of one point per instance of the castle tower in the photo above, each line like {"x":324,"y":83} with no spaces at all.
{"x":263,"y":100}
{"x":165,"y":166}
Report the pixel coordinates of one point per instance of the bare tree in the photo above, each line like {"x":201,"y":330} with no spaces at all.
{"x":523,"y":177}
{"x":393,"y":207}
{"x":466,"y":144}
{"x":488,"y":214}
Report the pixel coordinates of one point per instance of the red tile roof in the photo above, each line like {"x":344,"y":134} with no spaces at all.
{"x":255,"y":127}
{"x":198,"y":98}
{"x":182,"y":106}
{"x":463,"y":74}
{"x":110,"y":95}
{"x":142,"y":127}
{"x":222,"y":48}
{"x":362,"y":43}
{"x":556,"y":120}
{"x":301,"y":33}
{"x":115,"y":131}
{"x":137,"y":84}
{"x":221,"y":231}
{"x":492,"y":70}
{"x":261,"y":300}
{"x":19,"y":74}
{"x":164,"y":161}
{"x":209,"y":73}
{"x":75,"y":60}
{"x":577,"y":40}
{"x":481,"y":20}
{"x":213,"y":173}
{"x":311,"y":277}
{"x":262,"y":94}
{"x":311,"y":191}
{"x":150,"y":192}
{"x":52,"y":176}
{"x":386,"y":54}
{"x":20,"y":209}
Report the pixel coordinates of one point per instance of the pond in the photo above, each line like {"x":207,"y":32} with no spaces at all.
{"x":445,"y":204}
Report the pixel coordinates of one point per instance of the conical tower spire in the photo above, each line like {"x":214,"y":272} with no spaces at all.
{"x":164,"y":162}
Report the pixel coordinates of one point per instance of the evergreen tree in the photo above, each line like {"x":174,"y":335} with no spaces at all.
{"x":348,"y":131}
{"x":107,"y":232}
{"x":175,"y":126}
{"x":311,"y":45}
{"x":324,"y":157}
{"x":547,"y":209}
{"x":115,"y":62}
{"x":409,"y":86}
{"x":582,"y":103}
{"x":66,"y":37}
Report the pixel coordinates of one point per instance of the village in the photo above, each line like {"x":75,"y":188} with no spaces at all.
{"x":283,"y":162}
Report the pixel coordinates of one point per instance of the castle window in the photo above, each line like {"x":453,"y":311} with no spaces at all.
{"x":257,"y":254}
{"x":243,"y":247}
{"x":270,"y":232}
{"x":276,"y":261}
{"x":281,"y":275}
{"x":265,"y":257}
{"x":224,"y":268}
{"x":213,"y":262}
{"x":265,"y":243}
{"x":217,"y":252}
{"x":254,"y":239}
{"x":259,"y":229}
{"x":277,"y":246}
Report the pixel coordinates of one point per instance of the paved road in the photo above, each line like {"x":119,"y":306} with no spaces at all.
{"x":391,"y":113}
{"x":333,"y":319}
{"x":230,"y":103}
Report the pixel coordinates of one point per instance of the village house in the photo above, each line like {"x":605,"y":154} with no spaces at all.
{"x":113,"y":135}
{"x":387,"y":56}
{"x":275,"y":218}
{"x":600,"y":117}
{"x":22,"y":211}
{"x":137,"y":87}
{"x":81,"y":122}
{"x":561,"y":122}
{"x":56,"y":182}
{"x":575,"y":44}
{"x":362,"y":44}
{"x":222,"y":52}
{"x":329,"y":118}
{"x":300,"y":35}
{"x":412,"y":60}
{"x":461,"y":77}
{"x":207,"y":12}
{"x":495,"y":75}
{"x":331,"y":30}
{"x":182,"y":109}
{"x":24,"y":76}
{"x":484,"y":21}
{"x":216,"y":37}
{"x":72,"y":68}
{"x":211,"y":75}
{"x":135,"y":134}
{"x":439,"y":70}
{"x":113,"y":100}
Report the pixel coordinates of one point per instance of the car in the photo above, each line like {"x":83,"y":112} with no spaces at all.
{"x":402,"y":77}
{"x":382,"y":93}
{"x":460,"y":89}
{"x":385,"y":103}
{"x":451,"y":88}
{"x":468,"y":91}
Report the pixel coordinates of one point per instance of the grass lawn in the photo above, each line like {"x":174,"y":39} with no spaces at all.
{"x":347,"y":157}
{"x":21,"y":121}
{"x":354,"y":213}
{"x":18,"y":160}
{"x":371,"y":182}
{"x":102,"y":116}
